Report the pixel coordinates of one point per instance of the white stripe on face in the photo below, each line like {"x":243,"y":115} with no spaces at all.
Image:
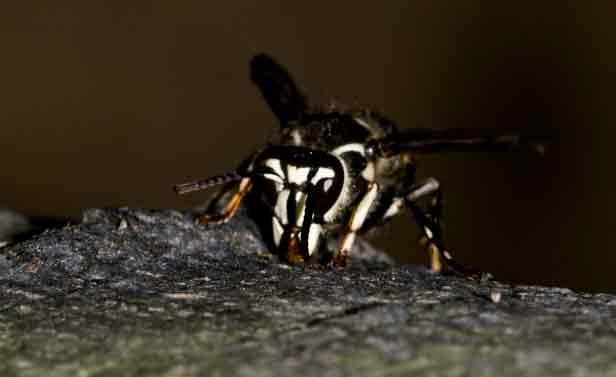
{"x":274,"y":164}
{"x":300,"y":205}
{"x":314,"y":237}
{"x":273,"y":177}
{"x":322,"y":173}
{"x":331,"y":213}
{"x":291,"y":171}
{"x":369,"y":172}
{"x":281,"y":206}
{"x":351,"y":147}
{"x":298,"y":175}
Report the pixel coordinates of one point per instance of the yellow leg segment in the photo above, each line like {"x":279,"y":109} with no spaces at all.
{"x":231,"y":208}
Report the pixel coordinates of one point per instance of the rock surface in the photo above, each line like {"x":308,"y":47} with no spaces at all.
{"x":136,"y":293}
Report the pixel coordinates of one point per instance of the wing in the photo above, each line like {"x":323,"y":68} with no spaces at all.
{"x":278,"y":88}
{"x":429,"y":140}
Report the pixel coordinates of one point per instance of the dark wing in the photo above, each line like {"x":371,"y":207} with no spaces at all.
{"x":278,"y":88}
{"x":428,"y":140}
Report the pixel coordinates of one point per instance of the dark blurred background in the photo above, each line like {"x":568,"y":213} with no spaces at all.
{"x":105,"y":105}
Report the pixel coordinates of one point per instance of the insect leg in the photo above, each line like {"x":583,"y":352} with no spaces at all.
{"x":355,"y":223}
{"x":429,"y":222}
{"x":231,"y":207}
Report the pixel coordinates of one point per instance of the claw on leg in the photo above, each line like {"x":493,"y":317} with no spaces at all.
{"x":428,"y":221}
{"x":436,"y":262}
{"x":341,"y":258}
{"x":442,"y":260}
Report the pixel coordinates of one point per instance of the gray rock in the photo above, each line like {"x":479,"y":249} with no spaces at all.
{"x":12,"y":224}
{"x":15,"y":227}
{"x":134,"y":292}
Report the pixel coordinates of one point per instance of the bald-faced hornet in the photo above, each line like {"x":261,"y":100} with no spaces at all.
{"x":339,"y":173}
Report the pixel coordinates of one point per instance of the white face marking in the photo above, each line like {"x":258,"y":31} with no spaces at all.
{"x":274,"y":164}
{"x":291,"y":171}
{"x":281,"y":206}
{"x":321,"y":174}
{"x":314,"y":236}
{"x":300,"y":200}
{"x":277,"y":231}
{"x":330,"y":215}
{"x":299,"y":175}
{"x":278,"y":182}
{"x":273,"y":177}
{"x":369,"y":172}
{"x":361,"y":212}
{"x":351,"y":147}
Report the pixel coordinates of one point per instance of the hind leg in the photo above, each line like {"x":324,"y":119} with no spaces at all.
{"x":428,"y":220}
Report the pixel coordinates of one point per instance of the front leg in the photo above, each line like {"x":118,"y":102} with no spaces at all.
{"x":231,"y":207}
{"x":358,"y":217}
{"x":428,"y":221}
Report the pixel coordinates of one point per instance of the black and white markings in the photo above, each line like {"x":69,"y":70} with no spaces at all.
{"x":294,"y":183}
{"x":314,"y":189}
{"x":369,"y":172}
{"x":333,"y":171}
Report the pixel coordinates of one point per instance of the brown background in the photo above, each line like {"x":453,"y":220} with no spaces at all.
{"x":104,"y":105}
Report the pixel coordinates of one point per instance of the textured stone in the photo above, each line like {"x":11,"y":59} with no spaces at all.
{"x":134,"y":292}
